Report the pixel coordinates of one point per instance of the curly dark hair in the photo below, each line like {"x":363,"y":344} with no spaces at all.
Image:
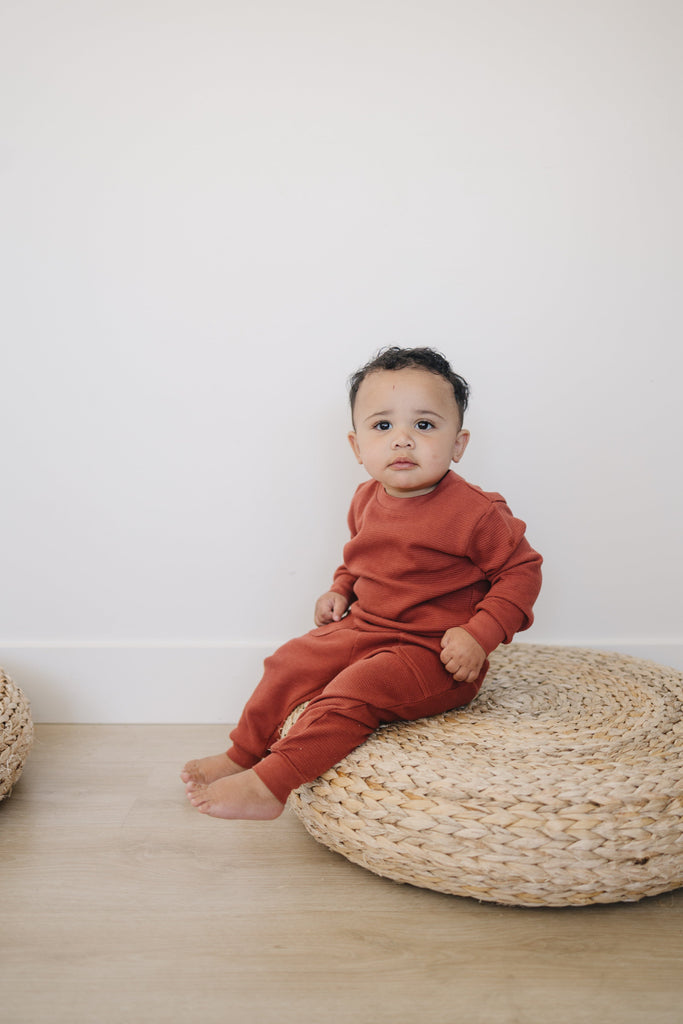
{"x":395,"y":358}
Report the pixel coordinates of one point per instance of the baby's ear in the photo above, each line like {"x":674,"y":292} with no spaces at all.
{"x":461,"y":442}
{"x":353,"y":441}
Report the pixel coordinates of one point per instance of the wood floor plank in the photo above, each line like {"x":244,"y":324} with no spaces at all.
{"x":120,"y":903}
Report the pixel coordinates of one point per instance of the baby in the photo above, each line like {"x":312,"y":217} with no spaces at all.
{"x":436,"y":575}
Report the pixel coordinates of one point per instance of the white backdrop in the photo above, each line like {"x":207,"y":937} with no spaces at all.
{"x":214,"y":211}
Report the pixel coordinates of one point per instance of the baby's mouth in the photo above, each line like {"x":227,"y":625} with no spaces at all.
{"x":402,"y":463}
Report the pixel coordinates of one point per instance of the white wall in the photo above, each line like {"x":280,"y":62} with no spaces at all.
{"x":214,"y":211}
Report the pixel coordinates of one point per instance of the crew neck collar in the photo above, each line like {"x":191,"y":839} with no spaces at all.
{"x":408,"y":505}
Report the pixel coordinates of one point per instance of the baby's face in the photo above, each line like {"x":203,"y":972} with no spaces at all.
{"x":407,"y":429}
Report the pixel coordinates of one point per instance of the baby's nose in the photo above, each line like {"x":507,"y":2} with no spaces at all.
{"x":403,"y":440}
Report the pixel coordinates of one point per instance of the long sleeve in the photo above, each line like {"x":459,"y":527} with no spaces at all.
{"x":498,"y":546}
{"x":343,"y":580}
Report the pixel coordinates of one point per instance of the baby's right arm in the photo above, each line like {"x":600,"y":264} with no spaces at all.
{"x":329,"y":608}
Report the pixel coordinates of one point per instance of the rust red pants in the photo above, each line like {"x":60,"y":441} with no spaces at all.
{"x":354,"y":679}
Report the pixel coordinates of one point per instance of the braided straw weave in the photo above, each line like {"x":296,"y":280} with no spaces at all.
{"x":562,"y":784}
{"x":16,"y":733}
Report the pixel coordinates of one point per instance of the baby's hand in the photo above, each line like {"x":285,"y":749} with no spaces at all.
{"x":329,"y":608}
{"x":461,"y":655}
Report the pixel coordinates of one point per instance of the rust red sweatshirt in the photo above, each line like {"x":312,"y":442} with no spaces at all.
{"x":453,"y":557}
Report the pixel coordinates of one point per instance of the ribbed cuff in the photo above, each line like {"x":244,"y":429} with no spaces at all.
{"x":241,"y":757}
{"x":483,"y":628}
{"x":276,"y":772}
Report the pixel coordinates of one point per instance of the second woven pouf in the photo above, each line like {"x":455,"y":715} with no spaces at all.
{"x":562,"y":784}
{"x":16,"y":733}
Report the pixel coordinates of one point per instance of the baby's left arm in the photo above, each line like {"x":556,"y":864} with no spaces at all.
{"x":498,"y":546}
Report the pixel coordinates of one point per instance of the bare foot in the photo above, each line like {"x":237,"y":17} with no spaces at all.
{"x":207,"y":769}
{"x":238,"y":796}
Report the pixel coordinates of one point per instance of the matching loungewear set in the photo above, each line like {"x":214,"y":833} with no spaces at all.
{"x":413,"y":568}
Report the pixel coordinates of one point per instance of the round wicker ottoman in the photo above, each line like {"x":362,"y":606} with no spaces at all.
{"x":16,"y":733}
{"x":562,"y":784}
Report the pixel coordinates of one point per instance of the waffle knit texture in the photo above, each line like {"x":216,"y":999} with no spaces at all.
{"x":454,"y":557}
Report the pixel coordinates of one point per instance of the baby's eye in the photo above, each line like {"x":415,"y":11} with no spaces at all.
{"x":424,"y":425}
{"x":382,"y":425}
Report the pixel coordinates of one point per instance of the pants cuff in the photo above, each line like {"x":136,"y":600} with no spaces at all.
{"x":278,"y":775}
{"x":241,"y":757}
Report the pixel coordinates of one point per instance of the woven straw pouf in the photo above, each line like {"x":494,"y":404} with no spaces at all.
{"x":561,"y":784}
{"x":16,"y":733}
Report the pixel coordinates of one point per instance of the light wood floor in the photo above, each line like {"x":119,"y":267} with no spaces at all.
{"x":119,"y":903}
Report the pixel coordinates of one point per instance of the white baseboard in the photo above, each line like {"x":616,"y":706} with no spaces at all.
{"x":164,"y":683}
{"x":152,"y":683}
{"x":664,"y":652}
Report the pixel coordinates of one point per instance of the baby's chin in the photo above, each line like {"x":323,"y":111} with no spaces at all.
{"x":404,"y":483}
{"x":408,"y":492}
